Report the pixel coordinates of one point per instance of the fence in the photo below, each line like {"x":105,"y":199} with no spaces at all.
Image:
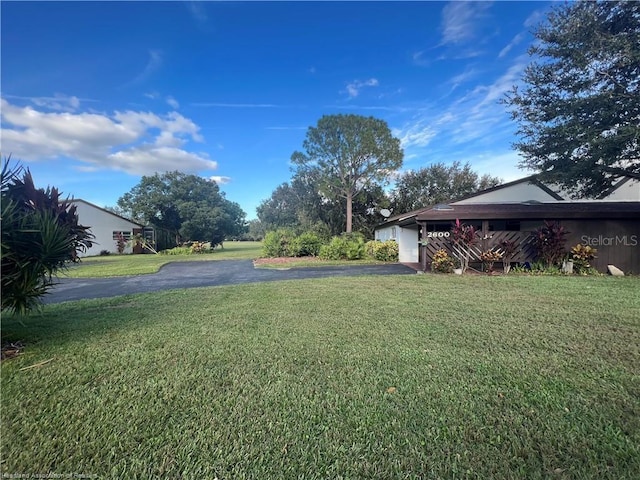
{"x":525,"y":251}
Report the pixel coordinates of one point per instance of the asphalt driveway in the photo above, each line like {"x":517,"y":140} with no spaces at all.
{"x":203,"y":274}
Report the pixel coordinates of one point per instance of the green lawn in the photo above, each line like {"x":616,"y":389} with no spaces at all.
{"x":120,"y":265}
{"x":421,"y":376}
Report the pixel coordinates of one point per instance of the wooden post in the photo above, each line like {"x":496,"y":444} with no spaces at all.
{"x":485,"y":234}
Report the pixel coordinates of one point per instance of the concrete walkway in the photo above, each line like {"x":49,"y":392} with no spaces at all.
{"x":203,"y":274}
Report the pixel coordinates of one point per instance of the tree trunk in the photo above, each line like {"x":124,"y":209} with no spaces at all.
{"x":349,"y":211}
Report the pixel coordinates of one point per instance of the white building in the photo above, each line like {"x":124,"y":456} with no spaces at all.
{"x":105,"y":226}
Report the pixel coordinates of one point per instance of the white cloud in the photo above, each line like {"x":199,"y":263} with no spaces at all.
{"x":197,"y":11}
{"x":127,"y":141}
{"x":145,"y":159}
{"x":173,"y":103}
{"x":153,"y":64}
{"x":220,"y":179}
{"x":461,"y":78}
{"x":459,"y":20}
{"x":353,"y":88}
{"x":534,"y":19}
{"x":515,"y":41}
{"x":420,"y":59}
{"x":415,"y":135}
{"x":59,"y":102}
{"x":466,"y":125}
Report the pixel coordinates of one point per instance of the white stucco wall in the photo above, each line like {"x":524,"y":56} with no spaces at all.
{"x":520,"y":192}
{"x":408,"y":245}
{"x":387,"y":233}
{"x":102,"y":224}
{"x":630,"y":190}
{"x":407,"y":239}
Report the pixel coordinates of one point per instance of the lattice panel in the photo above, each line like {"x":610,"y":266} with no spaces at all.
{"x":525,"y":251}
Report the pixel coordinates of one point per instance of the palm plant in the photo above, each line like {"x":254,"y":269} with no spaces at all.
{"x":40,"y":235}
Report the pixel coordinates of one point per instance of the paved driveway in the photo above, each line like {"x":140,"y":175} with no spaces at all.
{"x":203,"y":274}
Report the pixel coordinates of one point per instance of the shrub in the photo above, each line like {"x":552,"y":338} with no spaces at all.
{"x":177,"y":251}
{"x":383,"y":251}
{"x":121,"y":243}
{"x":278,"y":243}
{"x":488,"y":258}
{"x":104,"y":253}
{"x":345,"y":247}
{"x":549,"y":242}
{"x":442,"y":262}
{"x":508,"y":249}
{"x":201,"y":247}
{"x":40,"y":236}
{"x":463,"y":237}
{"x":306,"y":244}
{"x":582,"y":256}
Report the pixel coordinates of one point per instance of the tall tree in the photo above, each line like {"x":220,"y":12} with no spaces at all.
{"x":190,"y":207}
{"x":579,"y":109}
{"x":40,"y":236}
{"x":347,"y":153}
{"x":437,"y":183}
{"x":300,"y":205}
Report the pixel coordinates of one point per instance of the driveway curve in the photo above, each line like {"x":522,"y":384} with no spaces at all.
{"x":203,"y":274}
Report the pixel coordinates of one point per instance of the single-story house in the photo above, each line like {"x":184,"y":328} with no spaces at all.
{"x":513,"y":210}
{"x":106,"y":226}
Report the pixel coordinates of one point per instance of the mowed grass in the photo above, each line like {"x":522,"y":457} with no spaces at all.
{"x":122,"y":265}
{"x":392,"y":377}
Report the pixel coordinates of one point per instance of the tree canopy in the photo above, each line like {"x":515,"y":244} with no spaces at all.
{"x":190,"y":207}
{"x":347,"y":153}
{"x":437,"y":183}
{"x":579,"y":108}
{"x":300,"y":205}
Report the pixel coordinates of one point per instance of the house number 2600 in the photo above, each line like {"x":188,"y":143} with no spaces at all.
{"x":438,"y":234}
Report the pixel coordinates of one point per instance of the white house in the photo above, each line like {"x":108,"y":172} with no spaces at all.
{"x":532,"y":189}
{"x":405,"y":229}
{"x":105,"y":226}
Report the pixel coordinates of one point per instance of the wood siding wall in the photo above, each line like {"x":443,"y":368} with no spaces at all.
{"x":617,"y":242}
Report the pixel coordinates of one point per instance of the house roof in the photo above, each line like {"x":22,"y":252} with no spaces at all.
{"x":532,"y":179}
{"x":533,"y":210}
{"x":404,"y":218}
{"x":76,"y":200}
{"x":575,"y":211}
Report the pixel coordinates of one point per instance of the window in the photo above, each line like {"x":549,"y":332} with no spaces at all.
{"x":126,"y":235}
{"x":393,"y":232}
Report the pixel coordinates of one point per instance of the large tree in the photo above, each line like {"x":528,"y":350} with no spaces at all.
{"x":348,"y":153}
{"x":40,"y":236}
{"x":299,"y":204}
{"x":188,"y":206}
{"x":437,"y":183}
{"x":579,"y":107}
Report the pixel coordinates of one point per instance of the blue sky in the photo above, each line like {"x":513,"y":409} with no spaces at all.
{"x":96,"y":94}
